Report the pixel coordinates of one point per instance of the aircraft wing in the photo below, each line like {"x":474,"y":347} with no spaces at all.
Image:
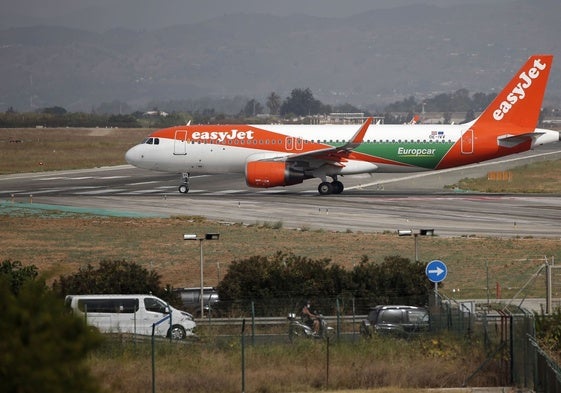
{"x":332,"y":155}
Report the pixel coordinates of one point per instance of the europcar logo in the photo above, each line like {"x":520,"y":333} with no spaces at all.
{"x":422,"y":152}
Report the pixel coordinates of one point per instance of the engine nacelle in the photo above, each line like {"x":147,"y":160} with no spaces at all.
{"x":265,"y":174}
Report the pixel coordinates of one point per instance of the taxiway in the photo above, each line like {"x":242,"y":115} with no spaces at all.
{"x":382,"y":202}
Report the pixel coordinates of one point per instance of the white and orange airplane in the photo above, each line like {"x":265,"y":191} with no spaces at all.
{"x":283,"y":155}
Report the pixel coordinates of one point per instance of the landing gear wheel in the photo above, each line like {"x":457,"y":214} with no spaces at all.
{"x":184,"y":189}
{"x":338,"y":187}
{"x":325,"y":188}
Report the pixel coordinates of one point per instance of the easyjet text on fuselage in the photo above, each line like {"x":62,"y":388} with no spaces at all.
{"x":221,"y":136}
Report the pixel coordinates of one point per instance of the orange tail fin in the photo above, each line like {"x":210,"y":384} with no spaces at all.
{"x":516,"y":109}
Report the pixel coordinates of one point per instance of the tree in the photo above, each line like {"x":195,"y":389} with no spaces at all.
{"x":301,"y":103}
{"x":16,"y":274}
{"x":470,"y":115}
{"x":110,"y":277}
{"x":43,"y":346}
{"x":252,"y":108}
{"x":286,"y":280}
{"x":280,"y":280}
{"x":54,"y":110}
{"x":273,"y":103}
{"x":347,"y":108}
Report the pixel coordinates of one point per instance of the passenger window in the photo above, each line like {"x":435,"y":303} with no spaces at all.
{"x":116,"y":306}
{"x":154,"y":305}
{"x":390,"y":316}
{"x":417,"y":316}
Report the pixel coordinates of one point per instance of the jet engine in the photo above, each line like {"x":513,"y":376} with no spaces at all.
{"x":265,"y":174}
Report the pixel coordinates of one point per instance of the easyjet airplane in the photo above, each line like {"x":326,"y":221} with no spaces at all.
{"x":283,"y":155}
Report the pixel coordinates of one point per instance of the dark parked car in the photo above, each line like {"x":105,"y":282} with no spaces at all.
{"x":399,"y":321}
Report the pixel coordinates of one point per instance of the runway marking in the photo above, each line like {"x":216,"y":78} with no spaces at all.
{"x":103,"y":191}
{"x":141,"y":192}
{"x":143,"y":183}
{"x":195,"y":192}
{"x":229,"y":192}
{"x":39,"y":191}
{"x":78,"y":178}
{"x":81,"y":178}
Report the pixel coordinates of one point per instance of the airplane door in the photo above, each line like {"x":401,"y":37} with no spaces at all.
{"x":180,"y":142}
{"x":289,"y":143}
{"x":467,"y":142}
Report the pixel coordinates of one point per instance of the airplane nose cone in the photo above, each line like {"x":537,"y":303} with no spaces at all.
{"x":132,"y":156}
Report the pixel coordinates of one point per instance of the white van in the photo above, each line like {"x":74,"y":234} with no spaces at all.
{"x":132,"y":314}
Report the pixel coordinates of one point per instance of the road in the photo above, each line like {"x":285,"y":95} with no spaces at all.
{"x":377,"y":203}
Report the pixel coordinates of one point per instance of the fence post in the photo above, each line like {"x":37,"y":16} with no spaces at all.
{"x":243,"y":356}
{"x":338,"y":320}
{"x":252,"y":323}
{"x":153,"y":361}
{"x":327,"y":365}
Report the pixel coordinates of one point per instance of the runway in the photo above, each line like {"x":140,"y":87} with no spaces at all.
{"x":378,"y":203}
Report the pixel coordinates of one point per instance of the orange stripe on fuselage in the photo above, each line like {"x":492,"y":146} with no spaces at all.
{"x":245,"y":136}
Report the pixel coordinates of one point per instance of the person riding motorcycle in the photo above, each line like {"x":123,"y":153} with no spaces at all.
{"x":309,"y":318}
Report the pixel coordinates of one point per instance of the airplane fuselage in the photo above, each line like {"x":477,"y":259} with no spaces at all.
{"x":386,"y":148}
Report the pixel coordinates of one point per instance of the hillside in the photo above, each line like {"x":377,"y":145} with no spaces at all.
{"x":374,"y":57}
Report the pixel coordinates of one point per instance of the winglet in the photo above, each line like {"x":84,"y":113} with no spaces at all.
{"x":517,"y":107}
{"x":357,"y":138}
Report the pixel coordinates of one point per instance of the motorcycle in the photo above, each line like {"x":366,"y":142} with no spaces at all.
{"x":298,"y":329}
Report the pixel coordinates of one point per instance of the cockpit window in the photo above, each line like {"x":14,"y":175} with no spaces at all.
{"x":152,"y":141}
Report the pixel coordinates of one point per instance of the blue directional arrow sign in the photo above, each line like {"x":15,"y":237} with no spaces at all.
{"x":436,"y":271}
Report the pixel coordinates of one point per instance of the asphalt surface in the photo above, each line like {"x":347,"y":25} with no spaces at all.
{"x":377,"y":203}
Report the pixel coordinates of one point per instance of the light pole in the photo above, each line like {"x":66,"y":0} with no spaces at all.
{"x":422,"y":232}
{"x":208,"y":236}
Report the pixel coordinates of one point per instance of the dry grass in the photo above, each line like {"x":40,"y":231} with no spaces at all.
{"x":403,"y":366}
{"x":541,"y":177}
{"x":35,"y":150}
{"x":60,"y":245}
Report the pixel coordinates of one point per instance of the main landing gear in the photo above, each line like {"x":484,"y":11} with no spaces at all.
{"x":184,"y":186}
{"x":326,"y":188}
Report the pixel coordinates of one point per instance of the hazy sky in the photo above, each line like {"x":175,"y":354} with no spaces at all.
{"x":130,"y":13}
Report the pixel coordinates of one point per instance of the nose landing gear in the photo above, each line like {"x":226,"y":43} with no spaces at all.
{"x":184,"y":186}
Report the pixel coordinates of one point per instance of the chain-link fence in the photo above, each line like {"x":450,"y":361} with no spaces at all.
{"x":507,"y":334}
